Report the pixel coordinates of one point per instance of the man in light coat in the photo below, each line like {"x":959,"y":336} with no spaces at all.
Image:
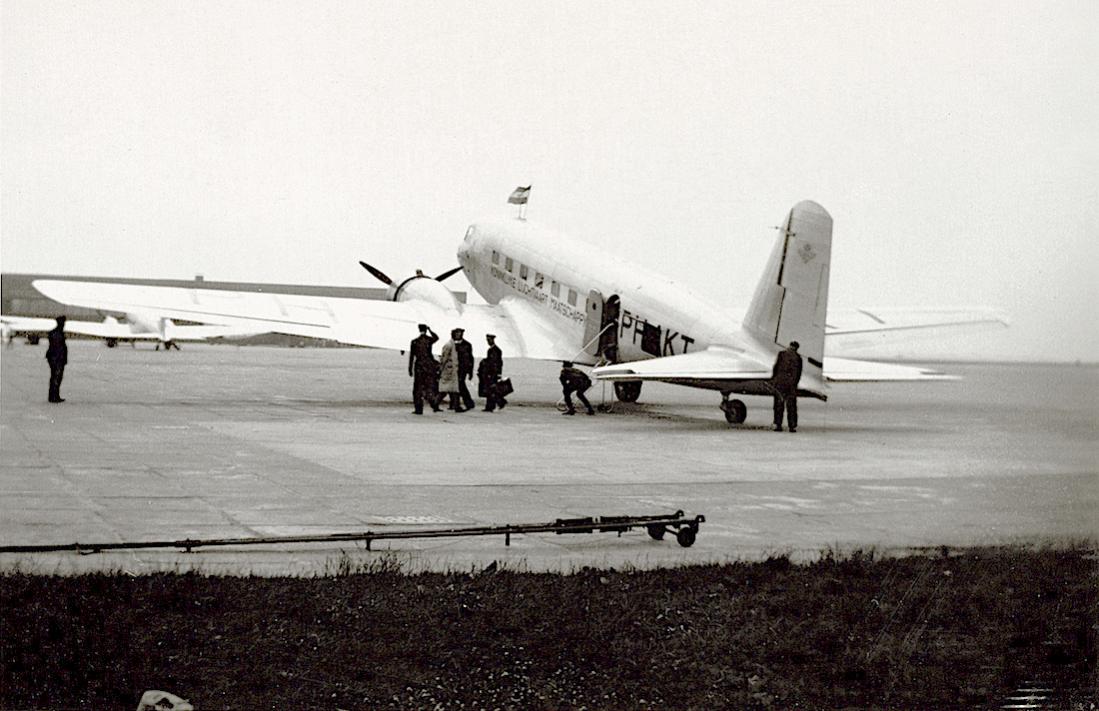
{"x":449,"y":374}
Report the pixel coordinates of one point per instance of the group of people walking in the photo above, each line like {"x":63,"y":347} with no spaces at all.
{"x":433,"y":380}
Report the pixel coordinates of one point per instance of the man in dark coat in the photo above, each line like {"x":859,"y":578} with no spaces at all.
{"x":465,"y":367}
{"x":424,"y":370}
{"x":57,"y":355}
{"x":576,"y":381}
{"x":784,"y":380}
{"x":488,"y":376}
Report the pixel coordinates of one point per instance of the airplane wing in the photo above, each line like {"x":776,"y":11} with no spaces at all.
{"x":855,"y":333}
{"x":110,"y":328}
{"x":27,"y":324}
{"x":520,"y":332}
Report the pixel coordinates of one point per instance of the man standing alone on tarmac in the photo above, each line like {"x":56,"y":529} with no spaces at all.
{"x":488,"y":376}
{"x":424,"y":370}
{"x":465,"y":367}
{"x":574,"y":380}
{"x":784,"y":380}
{"x":57,"y":355}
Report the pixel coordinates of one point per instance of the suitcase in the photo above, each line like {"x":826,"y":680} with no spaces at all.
{"x":504,"y":388}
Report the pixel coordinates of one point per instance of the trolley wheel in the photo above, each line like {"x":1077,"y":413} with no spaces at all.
{"x":656,"y":531}
{"x":686,"y":536}
{"x":735,"y":412}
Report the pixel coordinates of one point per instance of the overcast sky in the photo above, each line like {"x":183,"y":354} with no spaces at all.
{"x":956,"y":145}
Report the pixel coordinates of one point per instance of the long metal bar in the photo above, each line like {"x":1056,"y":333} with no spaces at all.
{"x":579,"y":525}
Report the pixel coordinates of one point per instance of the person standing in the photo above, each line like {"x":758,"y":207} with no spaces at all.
{"x":574,"y":380}
{"x":465,"y":367}
{"x":424,"y":370}
{"x":448,"y":372}
{"x":784,"y":380}
{"x":488,"y":376}
{"x":57,"y":355}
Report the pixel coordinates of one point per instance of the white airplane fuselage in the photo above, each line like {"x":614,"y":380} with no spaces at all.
{"x":516,"y":259}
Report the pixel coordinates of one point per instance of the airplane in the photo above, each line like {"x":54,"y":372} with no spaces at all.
{"x":136,"y":327}
{"x":551,"y":297}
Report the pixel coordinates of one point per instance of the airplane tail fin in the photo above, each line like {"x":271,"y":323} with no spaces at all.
{"x":791,"y":298}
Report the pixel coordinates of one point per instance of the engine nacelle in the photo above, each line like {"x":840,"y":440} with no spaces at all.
{"x":425,"y":289}
{"x":143,"y":322}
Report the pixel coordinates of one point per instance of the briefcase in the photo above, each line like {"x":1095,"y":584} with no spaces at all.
{"x":504,"y":388}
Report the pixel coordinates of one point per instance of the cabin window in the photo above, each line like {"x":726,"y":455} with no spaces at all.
{"x":572,"y":297}
{"x":555,"y":289}
{"x":523,"y":272}
{"x":495,"y":257}
{"x":508,"y":264}
{"x":539,"y":279}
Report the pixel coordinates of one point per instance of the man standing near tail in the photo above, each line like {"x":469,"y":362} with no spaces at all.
{"x":57,"y":355}
{"x":784,"y":380}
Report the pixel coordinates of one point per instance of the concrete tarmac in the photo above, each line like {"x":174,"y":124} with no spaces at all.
{"x":222,"y":441}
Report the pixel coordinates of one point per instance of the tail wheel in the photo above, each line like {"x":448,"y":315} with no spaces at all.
{"x":735,"y":411}
{"x":627,"y":392}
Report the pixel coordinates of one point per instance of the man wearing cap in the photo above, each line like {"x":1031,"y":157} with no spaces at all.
{"x":784,"y":380}
{"x":465,"y":367}
{"x":488,"y":376}
{"x":57,"y":355}
{"x":424,"y":370}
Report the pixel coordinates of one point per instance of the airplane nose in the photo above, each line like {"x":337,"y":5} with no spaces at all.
{"x":466,"y":246}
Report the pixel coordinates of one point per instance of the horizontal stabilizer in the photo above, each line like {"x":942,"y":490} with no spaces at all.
{"x":845,"y":370}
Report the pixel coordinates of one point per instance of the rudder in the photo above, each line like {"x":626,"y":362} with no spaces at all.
{"x":791,"y":298}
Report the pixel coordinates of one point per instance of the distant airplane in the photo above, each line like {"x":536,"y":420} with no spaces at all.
{"x":137,"y":327}
{"x":554,"y":298}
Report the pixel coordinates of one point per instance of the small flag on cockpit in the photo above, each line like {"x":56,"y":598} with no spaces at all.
{"x":519,"y":197}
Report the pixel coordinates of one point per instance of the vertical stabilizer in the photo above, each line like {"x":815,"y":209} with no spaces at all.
{"x":791,"y":299}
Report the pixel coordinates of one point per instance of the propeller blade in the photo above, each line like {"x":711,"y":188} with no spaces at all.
{"x":378,"y":274}
{"x":449,"y":273}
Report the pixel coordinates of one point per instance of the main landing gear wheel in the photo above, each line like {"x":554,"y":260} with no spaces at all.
{"x":627,"y":392}
{"x":735,"y":411}
{"x":656,"y":531}
{"x":686,"y":536}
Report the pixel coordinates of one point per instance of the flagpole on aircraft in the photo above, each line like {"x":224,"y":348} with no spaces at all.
{"x":519,"y":197}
